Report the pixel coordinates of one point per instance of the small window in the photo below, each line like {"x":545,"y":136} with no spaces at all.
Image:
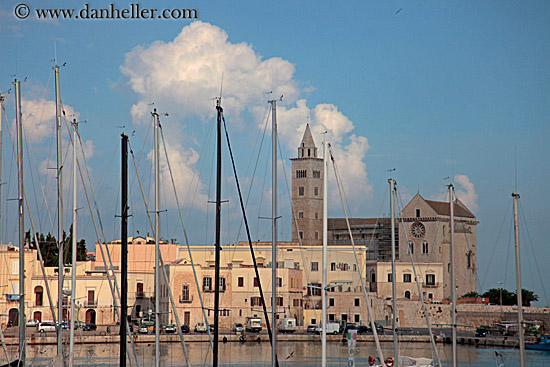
{"x":332,"y":266}
{"x":418,"y":213}
{"x":255,"y":301}
{"x":240,"y":281}
{"x":316,"y":215}
{"x":308,"y":152}
{"x":316,"y":174}
{"x":314,"y":266}
{"x":430,"y":296}
{"x":407,"y":295}
{"x":300,"y":214}
{"x":255,"y":282}
{"x":316,"y":191}
{"x":331,"y":317}
{"x":207,"y":284}
{"x":390,"y":277}
{"x":411,"y":247}
{"x":357,"y":302}
{"x":430,"y":279}
{"x":301,"y":191}
{"x":406,"y":278}
{"x":301,"y":234}
{"x":425,"y":247}
{"x":357,"y":318}
{"x":331,"y":302}
{"x":279,"y":282}
{"x":316,"y":235}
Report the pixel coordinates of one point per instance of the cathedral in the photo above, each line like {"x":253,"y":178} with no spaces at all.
{"x":422,"y":234}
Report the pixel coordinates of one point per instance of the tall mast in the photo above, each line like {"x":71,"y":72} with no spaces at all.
{"x":21,"y":223}
{"x":273,"y":232}
{"x":124,"y":250}
{"x":1,"y":138}
{"x":218,"y":230}
{"x":325,"y":239}
{"x":453,"y":279}
{"x":58,"y":111}
{"x":157,"y":247}
{"x":393,"y":273}
{"x":518,"y":283}
{"x":73,"y":265}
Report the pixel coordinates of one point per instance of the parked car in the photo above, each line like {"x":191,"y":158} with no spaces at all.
{"x":89,"y":327}
{"x":185,"y":329}
{"x":362,"y":329}
{"x":170,"y":329}
{"x":79,"y":324}
{"x":350,"y":326}
{"x":200,"y":327}
{"x":65,"y":325}
{"x":46,"y":327}
{"x":481,"y":332}
{"x":143,"y":329}
{"x":311,"y":328}
{"x":379,"y":328}
{"x":32,"y":323}
{"x":238,"y":328}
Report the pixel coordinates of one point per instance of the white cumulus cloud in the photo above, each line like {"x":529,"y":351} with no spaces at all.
{"x":183,"y":75}
{"x":38,"y":117}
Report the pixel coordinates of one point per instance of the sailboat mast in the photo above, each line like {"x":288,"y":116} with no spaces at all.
{"x":325,"y":239}
{"x":21,"y":223}
{"x":124,"y":250}
{"x":273,"y":233}
{"x":157,"y":239}
{"x":219,"y":109}
{"x":518,"y":283}
{"x":393,"y":273}
{"x":1,"y":151}
{"x":73,"y":265}
{"x":453,"y":278}
{"x":58,"y":111}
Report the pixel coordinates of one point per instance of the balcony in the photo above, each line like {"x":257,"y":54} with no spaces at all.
{"x":140,"y":294}
{"x":430,"y":285}
{"x":188,"y":299}
{"x":89,"y":303}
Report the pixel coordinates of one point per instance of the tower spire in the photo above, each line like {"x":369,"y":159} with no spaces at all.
{"x":307,"y":148}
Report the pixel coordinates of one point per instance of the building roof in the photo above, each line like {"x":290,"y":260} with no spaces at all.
{"x":307,"y":139}
{"x":334,"y":223}
{"x":443,"y":208}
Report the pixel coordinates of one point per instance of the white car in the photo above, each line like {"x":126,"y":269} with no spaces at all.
{"x":46,"y":327}
{"x":32,"y":323}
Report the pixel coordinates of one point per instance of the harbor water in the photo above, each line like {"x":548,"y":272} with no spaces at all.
{"x":290,"y":354}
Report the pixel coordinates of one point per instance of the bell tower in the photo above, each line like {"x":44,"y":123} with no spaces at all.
{"x":307,"y":193}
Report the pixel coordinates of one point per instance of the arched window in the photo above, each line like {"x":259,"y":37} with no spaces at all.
{"x":407,"y":295}
{"x":373,"y":277}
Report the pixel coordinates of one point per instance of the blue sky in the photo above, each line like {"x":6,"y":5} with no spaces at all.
{"x":432,"y":89}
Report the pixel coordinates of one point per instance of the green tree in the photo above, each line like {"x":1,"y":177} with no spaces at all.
{"x":50,"y":250}
{"x":510,"y":298}
{"x":527,"y":297}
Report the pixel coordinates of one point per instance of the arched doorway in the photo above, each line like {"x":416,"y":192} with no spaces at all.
{"x":37,"y":315}
{"x":90,"y":316}
{"x":13,"y":317}
{"x":38,"y":295}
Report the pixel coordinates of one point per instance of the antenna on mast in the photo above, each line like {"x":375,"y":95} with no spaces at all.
{"x":515,"y":169}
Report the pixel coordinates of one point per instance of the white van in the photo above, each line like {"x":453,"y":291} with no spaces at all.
{"x":286,"y":325}
{"x":46,"y":327}
{"x":253,"y":324}
{"x":332,"y":328}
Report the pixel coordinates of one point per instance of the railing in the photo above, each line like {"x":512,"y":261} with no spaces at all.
{"x":188,"y":299}
{"x":140,"y":294}
{"x":430,"y":285}
{"x":89,"y":303}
